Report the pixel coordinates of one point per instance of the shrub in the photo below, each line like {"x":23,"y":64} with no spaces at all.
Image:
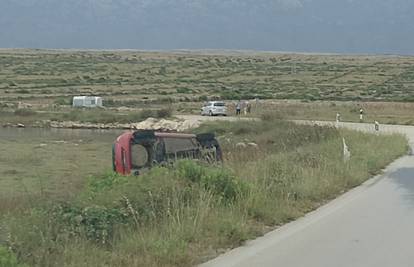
{"x":62,"y":101}
{"x":184,"y":90}
{"x":8,"y":259}
{"x":23,"y":91}
{"x":110,"y":103}
{"x":24,"y":112}
{"x":105,"y":182}
{"x":147,"y":113}
{"x":271,"y":116}
{"x":219,"y":181}
{"x":166,"y":100}
{"x":164,"y":113}
{"x":96,"y":223}
{"x":203,"y":98}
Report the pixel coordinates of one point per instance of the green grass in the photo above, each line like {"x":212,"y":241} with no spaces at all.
{"x":31,"y":168}
{"x":34,"y":118}
{"x":47,"y":80}
{"x":187,"y":213}
{"x":385,"y":113}
{"x":138,"y":78}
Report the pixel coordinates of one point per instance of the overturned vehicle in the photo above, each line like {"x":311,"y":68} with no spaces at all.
{"x":136,"y":152}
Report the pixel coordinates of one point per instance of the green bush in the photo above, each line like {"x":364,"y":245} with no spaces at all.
{"x":8,"y":259}
{"x":203,"y":98}
{"x":147,"y":113}
{"x":164,"y":113}
{"x":105,"y":182}
{"x":184,"y":90}
{"x":219,"y":181}
{"x":23,"y":91}
{"x":95,"y":223}
{"x":62,"y":101}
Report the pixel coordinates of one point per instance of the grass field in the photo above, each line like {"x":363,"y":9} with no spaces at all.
{"x":182,"y":215}
{"x":61,"y":206}
{"x":383,"y":112}
{"x":38,"y":85}
{"x":52,"y":163}
{"x":128,"y":78}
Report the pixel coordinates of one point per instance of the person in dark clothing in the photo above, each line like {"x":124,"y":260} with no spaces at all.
{"x":238,"y":108}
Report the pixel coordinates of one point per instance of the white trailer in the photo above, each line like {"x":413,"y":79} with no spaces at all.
{"x":87,"y":101}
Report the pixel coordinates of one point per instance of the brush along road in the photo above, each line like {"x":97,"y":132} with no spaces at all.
{"x":370,"y":226}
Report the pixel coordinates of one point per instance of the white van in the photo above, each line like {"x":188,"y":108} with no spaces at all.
{"x":87,"y":101}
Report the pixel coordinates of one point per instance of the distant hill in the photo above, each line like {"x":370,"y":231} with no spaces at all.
{"x":344,"y":26}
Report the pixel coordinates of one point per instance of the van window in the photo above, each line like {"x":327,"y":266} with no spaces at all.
{"x":174,"y":145}
{"x":220,"y":104}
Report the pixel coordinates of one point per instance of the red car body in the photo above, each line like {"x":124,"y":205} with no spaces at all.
{"x":136,"y":152}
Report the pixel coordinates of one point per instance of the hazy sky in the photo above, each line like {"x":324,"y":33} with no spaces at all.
{"x":342,"y":26}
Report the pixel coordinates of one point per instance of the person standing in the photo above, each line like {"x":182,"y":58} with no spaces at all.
{"x":376,"y":125}
{"x":338,"y":117}
{"x":361,"y":115}
{"x":238,"y":108}
{"x":249,"y":107}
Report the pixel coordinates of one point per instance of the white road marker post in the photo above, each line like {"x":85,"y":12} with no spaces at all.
{"x":338,"y":119}
{"x":347,"y":153}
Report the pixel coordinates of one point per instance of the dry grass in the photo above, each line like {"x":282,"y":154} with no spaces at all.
{"x":185,"y":214}
{"x":384,"y":112}
{"x":128,"y":78}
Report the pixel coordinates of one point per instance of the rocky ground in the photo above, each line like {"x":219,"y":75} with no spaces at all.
{"x":178,"y":124}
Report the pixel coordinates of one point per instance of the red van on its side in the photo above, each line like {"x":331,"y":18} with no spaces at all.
{"x":136,"y":152}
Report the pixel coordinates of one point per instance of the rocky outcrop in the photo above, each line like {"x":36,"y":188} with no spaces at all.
{"x":150,"y":123}
{"x":78,"y":125}
{"x":163,"y":124}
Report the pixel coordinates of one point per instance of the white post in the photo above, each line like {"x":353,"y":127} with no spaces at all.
{"x":347,"y":153}
{"x":338,"y":119}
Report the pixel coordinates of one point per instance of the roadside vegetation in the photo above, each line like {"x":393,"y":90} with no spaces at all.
{"x":188,"y":213}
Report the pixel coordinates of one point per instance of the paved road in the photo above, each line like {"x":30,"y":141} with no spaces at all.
{"x":370,"y":226}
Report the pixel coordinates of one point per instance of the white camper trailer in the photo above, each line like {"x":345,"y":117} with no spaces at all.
{"x":87,"y":101}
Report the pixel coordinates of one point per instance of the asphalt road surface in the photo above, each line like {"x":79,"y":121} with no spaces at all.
{"x":370,"y":226}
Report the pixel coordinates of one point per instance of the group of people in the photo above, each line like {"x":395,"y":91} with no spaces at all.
{"x":361,"y":119}
{"x":246,"y":106}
